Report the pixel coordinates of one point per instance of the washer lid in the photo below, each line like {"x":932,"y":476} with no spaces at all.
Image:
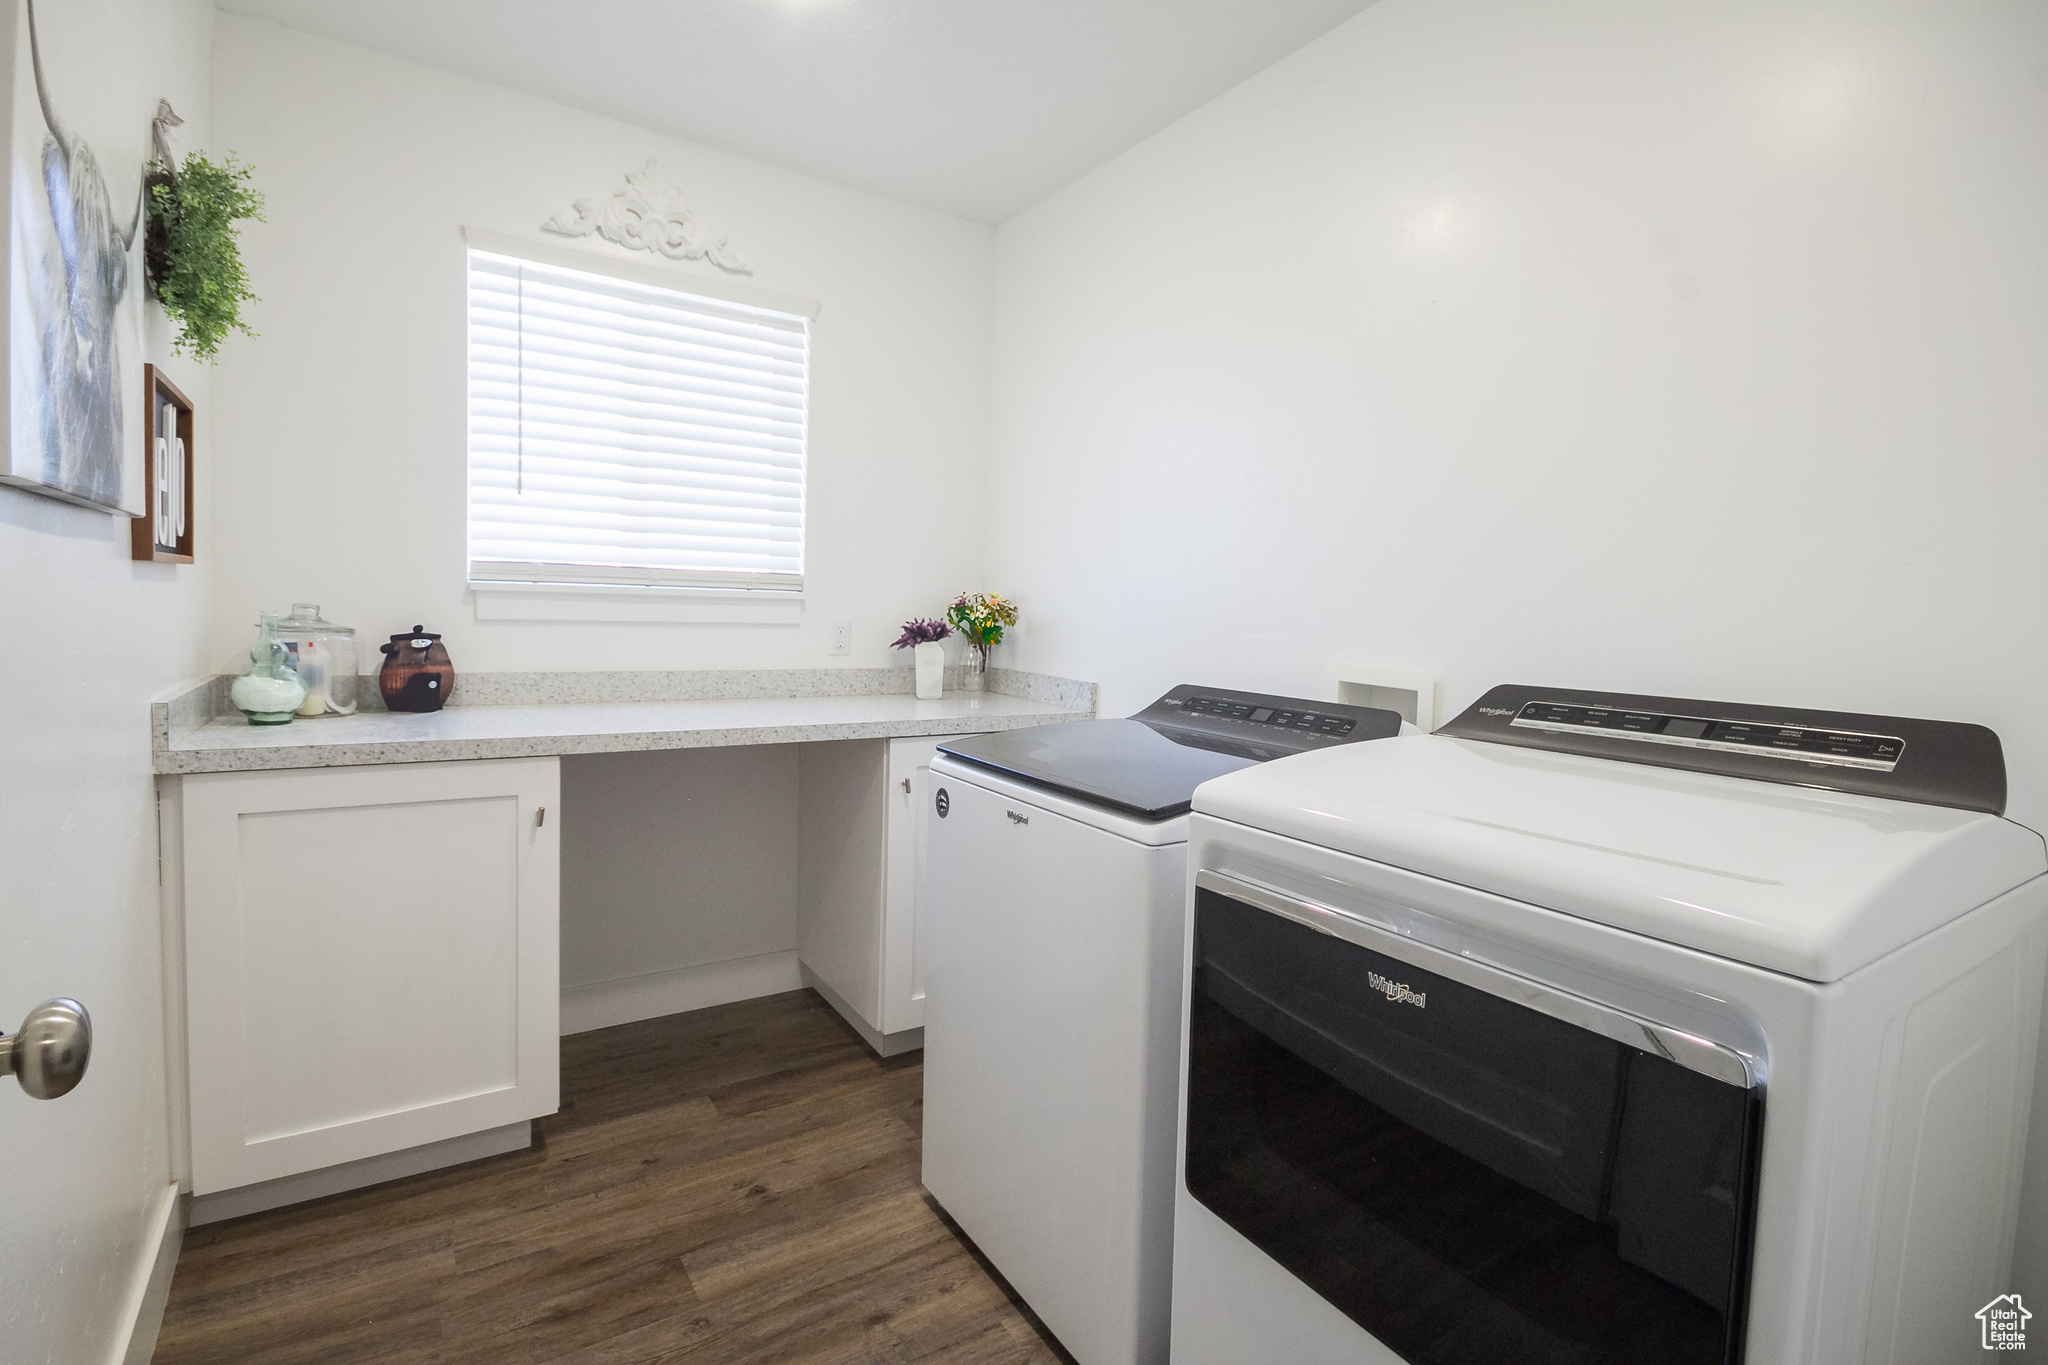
{"x":1811,"y":883}
{"x":1126,"y":764}
{"x":1151,"y":764}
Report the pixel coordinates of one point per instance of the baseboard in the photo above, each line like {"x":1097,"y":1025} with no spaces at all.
{"x":355,"y":1175}
{"x":143,"y":1310}
{"x":884,"y":1044}
{"x":687,"y":988}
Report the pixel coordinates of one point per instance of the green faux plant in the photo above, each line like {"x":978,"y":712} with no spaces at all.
{"x":195,"y":261}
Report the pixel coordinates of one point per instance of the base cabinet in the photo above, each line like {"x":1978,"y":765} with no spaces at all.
{"x":371,"y":960}
{"x":858,"y":933}
{"x":910,"y":765}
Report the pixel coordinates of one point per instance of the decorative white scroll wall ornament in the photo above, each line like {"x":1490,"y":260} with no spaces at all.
{"x":647,"y":213}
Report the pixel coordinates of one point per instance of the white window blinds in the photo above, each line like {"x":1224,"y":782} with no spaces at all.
{"x":621,"y":433}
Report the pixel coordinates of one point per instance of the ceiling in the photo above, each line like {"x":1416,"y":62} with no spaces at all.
{"x":975,"y":107}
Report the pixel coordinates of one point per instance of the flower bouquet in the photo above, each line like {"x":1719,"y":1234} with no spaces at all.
{"x":981,"y":618}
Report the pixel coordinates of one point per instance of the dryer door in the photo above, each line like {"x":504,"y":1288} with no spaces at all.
{"x":1475,"y":1167}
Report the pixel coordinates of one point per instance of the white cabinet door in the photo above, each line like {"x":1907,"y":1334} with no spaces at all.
{"x":371,"y":960}
{"x":842,"y":840}
{"x":860,"y":864}
{"x":910,"y":763}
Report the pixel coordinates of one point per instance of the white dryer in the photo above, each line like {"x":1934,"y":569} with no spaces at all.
{"x":1055,"y":892}
{"x":1601,"y":1028}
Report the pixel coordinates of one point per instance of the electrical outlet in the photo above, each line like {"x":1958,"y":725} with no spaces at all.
{"x":842,"y":638}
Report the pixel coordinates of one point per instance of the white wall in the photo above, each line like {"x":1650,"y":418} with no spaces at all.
{"x":1693,"y":349}
{"x":672,"y":862}
{"x":341,"y":459}
{"x":89,"y":637}
{"x":341,"y":441}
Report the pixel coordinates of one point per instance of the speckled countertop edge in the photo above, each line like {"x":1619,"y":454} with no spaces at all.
{"x":564,"y":714}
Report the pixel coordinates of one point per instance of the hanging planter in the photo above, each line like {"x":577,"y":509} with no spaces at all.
{"x":191,"y":250}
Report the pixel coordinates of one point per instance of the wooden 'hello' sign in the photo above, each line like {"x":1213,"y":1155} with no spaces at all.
{"x":163,"y":534}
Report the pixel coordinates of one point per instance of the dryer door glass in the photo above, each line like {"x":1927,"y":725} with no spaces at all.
{"x":1471,"y":1180}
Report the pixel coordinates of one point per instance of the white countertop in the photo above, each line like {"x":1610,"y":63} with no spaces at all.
{"x":230,"y":744}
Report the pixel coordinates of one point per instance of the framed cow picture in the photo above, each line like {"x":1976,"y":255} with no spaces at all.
{"x":79,"y":139}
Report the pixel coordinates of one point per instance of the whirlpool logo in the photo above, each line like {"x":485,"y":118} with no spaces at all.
{"x":1397,"y":992}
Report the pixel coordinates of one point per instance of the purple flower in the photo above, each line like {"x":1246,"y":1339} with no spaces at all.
{"x":917,"y":631}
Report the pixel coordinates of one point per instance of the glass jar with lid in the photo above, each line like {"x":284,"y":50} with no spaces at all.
{"x":325,"y":656}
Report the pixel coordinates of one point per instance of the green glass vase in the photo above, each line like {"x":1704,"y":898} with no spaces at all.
{"x":270,"y":693}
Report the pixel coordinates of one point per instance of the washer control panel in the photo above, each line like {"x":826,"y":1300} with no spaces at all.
{"x":1848,"y":748}
{"x":1260,"y":726}
{"x":1278,"y":717}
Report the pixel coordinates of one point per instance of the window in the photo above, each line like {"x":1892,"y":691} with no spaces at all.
{"x":627,"y":434}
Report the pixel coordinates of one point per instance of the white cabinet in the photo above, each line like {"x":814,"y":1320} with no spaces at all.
{"x":859,"y":862}
{"x":371,"y":960}
{"x":910,"y":765}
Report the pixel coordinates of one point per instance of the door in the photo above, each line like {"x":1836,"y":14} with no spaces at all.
{"x":371,"y":960}
{"x":88,"y":1212}
{"x":910,"y":771}
{"x":861,"y":865}
{"x":1478,"y":1170}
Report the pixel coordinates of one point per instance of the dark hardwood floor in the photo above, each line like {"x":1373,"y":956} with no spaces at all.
{"x":735,"y":1184}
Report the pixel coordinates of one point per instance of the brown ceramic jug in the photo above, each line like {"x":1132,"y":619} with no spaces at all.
{"x":416,"y":675}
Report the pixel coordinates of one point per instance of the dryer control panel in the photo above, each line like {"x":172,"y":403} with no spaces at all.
{"x":1936,"y":762}
{"x":1802,"y":743}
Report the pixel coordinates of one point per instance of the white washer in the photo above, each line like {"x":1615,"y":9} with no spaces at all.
{"x":1600,"y":1028}
{"x":1055,"y":883}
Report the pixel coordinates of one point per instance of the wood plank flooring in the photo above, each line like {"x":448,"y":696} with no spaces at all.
{"x":737,"y":1184}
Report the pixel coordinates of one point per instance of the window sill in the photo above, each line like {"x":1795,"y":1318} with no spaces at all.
{"x":590,"y":602}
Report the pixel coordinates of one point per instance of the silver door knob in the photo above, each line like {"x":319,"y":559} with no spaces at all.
{"x":49,"y":1055}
